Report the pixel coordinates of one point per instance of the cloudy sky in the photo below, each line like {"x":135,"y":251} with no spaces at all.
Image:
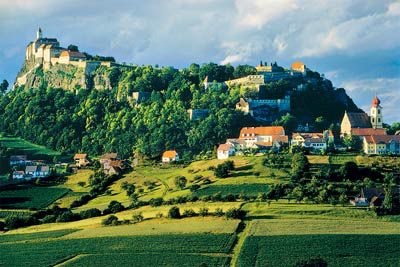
{"x":355,"y":43}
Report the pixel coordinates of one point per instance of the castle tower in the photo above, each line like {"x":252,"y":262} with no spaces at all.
{"x":39,"y":34}
{"x":376,"y":114}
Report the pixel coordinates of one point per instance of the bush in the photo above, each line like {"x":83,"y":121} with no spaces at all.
{"x":49,"y":218}
{"x":17,"y":221}
{"x":155,"y":202}
{"x":115,"y":206}
{"x":67,"y":216}
{"x":203,"y":212}
{"x":90,"y":213}
{"x":219,"y":212}
{"x":110,"y":220}
{"x":137,"y":217}
{"x":180,"y":182}
{"x":221,"y":171}
{"x":189,"y":213}
{"x":235,"y":214}
{"x":174,"y":213}
{"x":318,"y":262}
{"x":194,"y":187}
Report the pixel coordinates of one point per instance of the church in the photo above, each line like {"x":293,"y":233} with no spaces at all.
{"x":360,"y":124}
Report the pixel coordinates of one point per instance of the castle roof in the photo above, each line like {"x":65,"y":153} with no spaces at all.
{"x":359,"y":120}
{"x":74,"y":54}
{"x":298,"y":65}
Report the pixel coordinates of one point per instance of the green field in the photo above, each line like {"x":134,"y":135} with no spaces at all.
{"x":30,"y":197}
{"x":337,"y":250}
{"x":183,"y":250}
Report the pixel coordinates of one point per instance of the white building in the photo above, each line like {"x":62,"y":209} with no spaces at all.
{"x":224,"y":151}
{"x":170,"y":156}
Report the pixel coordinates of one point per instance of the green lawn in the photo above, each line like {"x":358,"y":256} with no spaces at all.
{"x":235,"y":189}
{"x":28,"y":197}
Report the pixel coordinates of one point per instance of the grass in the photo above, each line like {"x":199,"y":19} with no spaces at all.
{"x":119,"y":250}
{"x":30,"y":197}
{"x":235,"y":189}
{"x":35,"y":236}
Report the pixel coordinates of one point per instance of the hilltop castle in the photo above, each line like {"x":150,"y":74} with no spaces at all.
{"x":46,"y":52}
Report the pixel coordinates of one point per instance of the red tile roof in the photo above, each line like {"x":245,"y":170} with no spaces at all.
{"x":381,"y":139}
{"x":367,"y":131}
{"x":254,"y":131}
{"x":80,"y":156}
{"x":224,"y":147}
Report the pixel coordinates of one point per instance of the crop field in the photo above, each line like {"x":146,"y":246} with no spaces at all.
{"x":28,"y":197}
{"x":21,"y":146}
{"x":34,"y":236}
{"x":5,"y":213}
{"x":235,"y":189}
{"x":338,"y":250}
{"x":120,"y":250}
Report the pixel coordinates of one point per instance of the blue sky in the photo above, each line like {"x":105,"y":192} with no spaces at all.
{"x":356,"y":43}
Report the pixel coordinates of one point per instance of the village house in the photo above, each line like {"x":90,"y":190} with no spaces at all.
{"x":263,"y":136}
{"x":360,"y":124}
{"x":170,"y":156}
{"x":40,"y":171}
{"x":381,"y":144}
{"x":112,"y":164}
{"x":314,"y":141}
{"x":224,"y":151}
{"x":81,"y":160}
{"x":18,"y":175}
{"x":18,"y":160}
{"x":372,"y":197}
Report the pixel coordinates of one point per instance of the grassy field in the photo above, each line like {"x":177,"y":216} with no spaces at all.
{"x":30,"y":197}
{"x":235,"y":189}
{"x":23,"y":147}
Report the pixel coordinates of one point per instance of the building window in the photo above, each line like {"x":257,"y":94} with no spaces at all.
{"x":379,"y":119}
{"x":373,"y":120}
{"x":379,"y":111}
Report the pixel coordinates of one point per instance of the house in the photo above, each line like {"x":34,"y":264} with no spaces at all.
{"x":18,"y":175}
{"x":113,"y":167}
{"x":170,"y":156}
{"x":369,"y":197}
{"x":314,"y":141}
{"x":224,"y":151}
{"x":381,"y":144}
{"x":18,"y":160}
{"x":262,"y":135}
{"x":107,"y":158}
{"x":81,"y":160}
{"x":40,"y":171}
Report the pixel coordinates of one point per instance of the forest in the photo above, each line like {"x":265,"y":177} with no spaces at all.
{"x":97,"y":121}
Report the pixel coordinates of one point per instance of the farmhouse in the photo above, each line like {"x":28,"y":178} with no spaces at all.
{"x":18,"y":175}
{"x":113,"y":167}
{"x":18,"y":160}
{"x":81,"y":160}
{"x":40,"y":171}
{"x":257,"y":137}
{"x":170,"y":156}
{"x":225,"y":150}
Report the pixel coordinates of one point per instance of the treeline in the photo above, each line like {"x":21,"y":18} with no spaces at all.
{"x":99,"y":121}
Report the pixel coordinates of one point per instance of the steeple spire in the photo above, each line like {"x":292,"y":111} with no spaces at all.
{"x":39,"y":33}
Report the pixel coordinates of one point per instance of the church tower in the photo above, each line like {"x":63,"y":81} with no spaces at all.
{"x":39,"y":34}
{"x":376,"y":114}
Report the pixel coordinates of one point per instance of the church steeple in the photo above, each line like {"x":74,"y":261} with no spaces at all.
{"x":39,"y":33}
{"x":376,"y":113}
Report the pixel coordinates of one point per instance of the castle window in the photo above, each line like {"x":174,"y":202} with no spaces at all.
{"x":379,"y":119}
{"x":379,"y":111}
{"x":373,"y":120}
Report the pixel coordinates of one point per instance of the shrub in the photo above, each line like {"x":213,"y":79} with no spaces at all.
{"x":67,"y":216}
{"x":16,"y":221}
{"x":194,"y":187}
{"x":159,"y":215}
{"x":90,"y":213}
{"x":49,"y":218}
{"x":155,"y":202}
{"x":137,"y":217}
{"x":180,"y":182}
{"x":221,"y":171}
{"x":110,"y":220}
{"x":203,"y":212}
{"x":235,"y":213}
{"x":115,"y":206}
{"x":230,"y":197}
{"x":219,"y":212}
{"x":174,"y":213}
{"x":189,"y":213}
{"x":230,"y":165}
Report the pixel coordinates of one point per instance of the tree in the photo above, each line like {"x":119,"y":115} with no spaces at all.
{"x":72,"y":47}
{"x":115,"y":206}
{"x":3,"y":86}
{"x":299,"y":165}
{"x":349,"y":170}
{"x":389,"y":183}
{"x":180,"y":182}
{"x":221,"y":171}
{"x":110,"y":220}
{"x":137,"y":217}
{"x":174,"y":213}
{"x":235,"y":213}
{"x":352,"y":142}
